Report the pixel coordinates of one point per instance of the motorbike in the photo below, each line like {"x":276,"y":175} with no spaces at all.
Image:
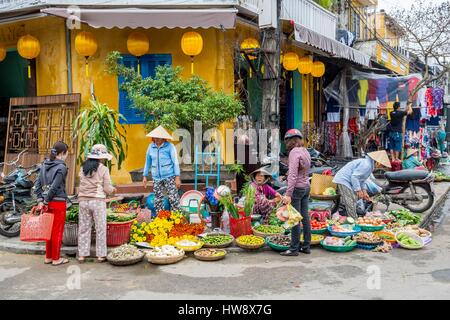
{"x":412,"y":189}
{"x":16,"y":196}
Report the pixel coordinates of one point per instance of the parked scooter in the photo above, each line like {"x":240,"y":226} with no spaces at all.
{"x":16,"y":196}
{"x":412,"y":189}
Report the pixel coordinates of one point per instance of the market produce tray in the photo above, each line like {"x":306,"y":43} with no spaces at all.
{"x":391,"y":236}
{"x":201,"y":258}
{"x":316,"y":242}
{"x":118,"y":262}
{"x":224,"y":245}
{"x":356,"y":230}
{"x":250,"y":246}
{"x":370,"y":228}
{"x":165,"y":260}
{"x":319,"y":231}
{"x":264,"y":235}
{"x":337,"y":248}
{"x":276,"y":247}
{"x":190,"y":248}
{"x":412,"y":235}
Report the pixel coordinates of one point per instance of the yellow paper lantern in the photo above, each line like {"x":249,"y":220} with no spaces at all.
{"x":290,"y":61}
{"x":305,"y":65}
{"x":249,"y":45}
{"x":86,"y":46}
{"x":192,"y":45}
{"x":2,"y":53}
{"x":28,"y":48}
{"x":138,"y":45}
{"x":318,"y":69}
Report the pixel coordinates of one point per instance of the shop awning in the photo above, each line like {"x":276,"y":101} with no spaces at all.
{"x":333,"y":47}
{"x":150,"y":18}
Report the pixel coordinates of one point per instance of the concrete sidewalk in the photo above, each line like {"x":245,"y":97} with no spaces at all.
{"x":14,"y":245}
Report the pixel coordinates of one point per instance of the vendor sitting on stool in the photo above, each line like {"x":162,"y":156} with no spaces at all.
{"x":411,"y":161}
{"x":266,"y":196}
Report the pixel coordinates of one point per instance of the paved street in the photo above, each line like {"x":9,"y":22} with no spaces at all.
{"x":423,"y":274}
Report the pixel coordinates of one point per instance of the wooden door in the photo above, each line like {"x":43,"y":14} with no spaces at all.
{"x":36,"y":123}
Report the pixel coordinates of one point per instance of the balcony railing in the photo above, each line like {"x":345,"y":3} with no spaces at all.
{"x":306,"y":13}
{"x":309,"y":14}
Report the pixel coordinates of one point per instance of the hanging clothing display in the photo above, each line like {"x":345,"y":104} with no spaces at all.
{"x":372,"y":93}
{"x":392,"y":89}
{"x":412,"y":84}
{"x":422,"y":102}
{"x":333,"y":110}
{"x":372,"y":109}
{"x":382,"y":86}
{"x":402,"y":91}
{"x":413,"y":121}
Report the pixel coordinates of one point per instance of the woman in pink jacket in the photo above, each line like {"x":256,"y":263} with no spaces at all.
{"x":298,"y":190}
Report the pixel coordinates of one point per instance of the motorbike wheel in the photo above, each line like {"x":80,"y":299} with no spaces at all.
{"x":419,"y":206}
{"x":9,"y":230}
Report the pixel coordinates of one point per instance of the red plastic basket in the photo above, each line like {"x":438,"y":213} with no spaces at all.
{"x":241,"y":226}
{"x":118,"y":233}
{"x":35,"y":227}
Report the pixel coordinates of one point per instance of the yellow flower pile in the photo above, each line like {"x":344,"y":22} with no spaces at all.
{"x":157,"y":231}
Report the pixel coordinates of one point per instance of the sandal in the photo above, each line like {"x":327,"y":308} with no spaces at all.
{"x":81,"y":260}
{"x":61,"y":261}
{"x":48,"y":261}
{"x":101,"y":260}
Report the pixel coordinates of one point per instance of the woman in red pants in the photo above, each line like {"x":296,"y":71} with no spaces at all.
{"x":51,"y":192}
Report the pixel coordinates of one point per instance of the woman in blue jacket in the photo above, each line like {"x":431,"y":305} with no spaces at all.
{"x":162,"y":160}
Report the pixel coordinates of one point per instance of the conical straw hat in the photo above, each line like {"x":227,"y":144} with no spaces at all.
{"x":380,"y":157}
{"x":410,"y":152}
{"x":160,"y":133}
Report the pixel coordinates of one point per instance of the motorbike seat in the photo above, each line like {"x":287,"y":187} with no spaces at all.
{"x":406,"y":175}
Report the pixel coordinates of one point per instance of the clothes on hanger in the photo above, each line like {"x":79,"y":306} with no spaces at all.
{"x":372,"y":109}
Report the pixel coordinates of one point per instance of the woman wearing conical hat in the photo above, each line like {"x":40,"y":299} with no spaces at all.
{"x":162,"y":162}
{"x":351,"y":179}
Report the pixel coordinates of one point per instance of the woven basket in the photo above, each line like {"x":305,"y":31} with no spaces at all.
{"x":250,"y":246}
{"x":209,"y":258}
{"x":337,"y":248}
{"x":165,"y":260}
{"x":264,"y":235}
{"x":70,"y":236}
{"x":191,"y":248}
{"x":128,"y":262}
{"x":371,"y":228}
{"x":224,"y":245}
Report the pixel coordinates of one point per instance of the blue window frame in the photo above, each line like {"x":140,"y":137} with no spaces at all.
{"x":148,"y":62}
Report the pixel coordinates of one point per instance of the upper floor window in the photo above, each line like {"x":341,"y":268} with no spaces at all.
{"x":148,"y":64}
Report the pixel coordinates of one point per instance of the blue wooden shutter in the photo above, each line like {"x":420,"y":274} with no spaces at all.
{"x":148,"y":62}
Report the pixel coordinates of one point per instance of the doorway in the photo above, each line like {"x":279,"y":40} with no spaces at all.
{"x":14,"y":82}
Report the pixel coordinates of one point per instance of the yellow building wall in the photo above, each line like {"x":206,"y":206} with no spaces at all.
{"x":51,"y":68}
{"x":214,"y":64}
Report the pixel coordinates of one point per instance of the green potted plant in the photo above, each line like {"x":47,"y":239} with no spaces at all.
{"x":98,"y":123}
